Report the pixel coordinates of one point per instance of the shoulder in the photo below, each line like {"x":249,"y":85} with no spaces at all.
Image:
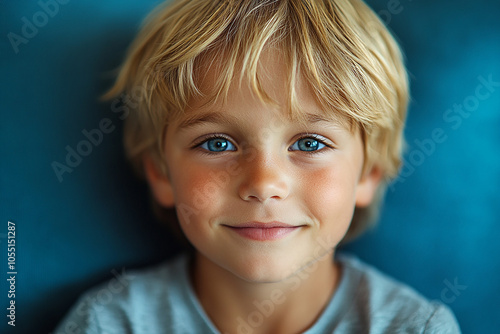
{"x":133,"y":290}
{"x":139,"y":301}
{"x":386,"y":305}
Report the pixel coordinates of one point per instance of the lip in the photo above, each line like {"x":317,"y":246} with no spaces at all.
{"x":264,"y":231}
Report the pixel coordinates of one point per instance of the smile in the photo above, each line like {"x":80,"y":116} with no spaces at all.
{"x":264,"y":231}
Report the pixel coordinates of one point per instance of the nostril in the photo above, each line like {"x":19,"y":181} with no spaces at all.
{"x":262,"y":182}
{"x":262,"y":196}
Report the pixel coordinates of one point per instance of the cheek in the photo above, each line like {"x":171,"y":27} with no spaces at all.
{"x":198,"y":193}
{"x":190,"y":186}
{"x":329,"y":194}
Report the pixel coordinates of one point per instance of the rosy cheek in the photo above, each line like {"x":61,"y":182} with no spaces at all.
{"x":192,"y":186}
{"x":191,"y":202}
{"x":329,"y":194}
{"x":198,"y":191}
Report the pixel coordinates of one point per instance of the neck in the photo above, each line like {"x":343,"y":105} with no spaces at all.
{"x":289,"y":306}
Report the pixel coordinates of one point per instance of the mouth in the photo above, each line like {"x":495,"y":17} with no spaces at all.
{"x":264,"y":231}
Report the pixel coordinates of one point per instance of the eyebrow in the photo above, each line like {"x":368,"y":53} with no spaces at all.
{"x":209,"y":117}
{"x":330,"y":121}
{"x":316,"y":118}
{"x":225,"y":119}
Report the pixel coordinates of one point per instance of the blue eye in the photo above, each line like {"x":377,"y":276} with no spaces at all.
{"x":218,"y":144}
{"x":307,"y":144}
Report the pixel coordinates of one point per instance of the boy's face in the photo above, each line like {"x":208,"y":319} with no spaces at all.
{"x":234,"y":164}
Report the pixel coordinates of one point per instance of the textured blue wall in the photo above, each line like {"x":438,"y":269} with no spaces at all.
{"x":439,"y":225}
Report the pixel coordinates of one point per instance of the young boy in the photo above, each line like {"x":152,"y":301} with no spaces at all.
{"x":272,"y":127}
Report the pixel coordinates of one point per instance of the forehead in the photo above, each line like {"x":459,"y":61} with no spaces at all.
{"x":221,"y":86}
{"x":213,"y":70}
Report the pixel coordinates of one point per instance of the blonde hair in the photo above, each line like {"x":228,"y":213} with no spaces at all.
{"x":340,"y":47}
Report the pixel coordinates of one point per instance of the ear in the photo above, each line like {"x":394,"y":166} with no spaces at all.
{"x":158,"y":182}
{"x":367,"y":186}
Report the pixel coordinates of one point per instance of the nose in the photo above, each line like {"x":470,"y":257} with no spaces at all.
{"x":265,"y":178}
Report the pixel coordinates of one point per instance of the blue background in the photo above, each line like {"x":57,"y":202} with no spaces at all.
{"x":439,"y":225}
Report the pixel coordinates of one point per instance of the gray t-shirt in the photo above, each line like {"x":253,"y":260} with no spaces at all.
{"x":161,"y":300}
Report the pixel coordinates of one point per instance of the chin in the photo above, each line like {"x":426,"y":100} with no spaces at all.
{"x":265,"y":270}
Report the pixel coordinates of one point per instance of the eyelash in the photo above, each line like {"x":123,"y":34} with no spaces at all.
{"x":316,"y":137}
{"x":211,"y":137}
